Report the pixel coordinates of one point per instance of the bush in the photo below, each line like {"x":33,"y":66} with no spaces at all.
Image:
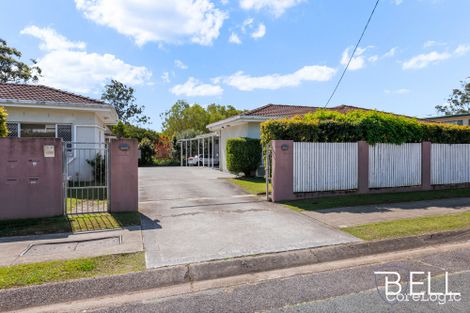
{"x":243,"y":155}
{"x":98,"y":168}
{"x":3,"y":123}
{"x":147,"y":152}
{"x":166,"y":162}
{"x":371,"y":126}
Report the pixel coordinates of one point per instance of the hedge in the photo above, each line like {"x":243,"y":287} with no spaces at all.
{"x":371,"y":126}
{"x":243,"y":155}
{"x":3,"y":123}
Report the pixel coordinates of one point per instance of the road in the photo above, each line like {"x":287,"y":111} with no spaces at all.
{"x":340,"y":286}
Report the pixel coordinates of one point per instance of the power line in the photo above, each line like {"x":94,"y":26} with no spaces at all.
{"x":352,"y":54}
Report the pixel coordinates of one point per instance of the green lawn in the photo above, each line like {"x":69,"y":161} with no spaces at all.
{"x":253,"y":185}
{"x":45,"y":272}
{"x":382,"y":198}
{"x":410,"y":226}
{"x":70,"y":223}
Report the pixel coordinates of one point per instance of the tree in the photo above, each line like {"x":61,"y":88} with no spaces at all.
{"x":12,"y":70}
{"x":182,"y":116}
{"x":123,"y":100}
{"x":459,"y":100}
{"x":3,"y":123}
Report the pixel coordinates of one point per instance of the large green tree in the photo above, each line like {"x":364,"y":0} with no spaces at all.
{"x":123,"y":99}
{"x":12,"y":69}
{"x":183,"y":116}
{"x":459,"y":100}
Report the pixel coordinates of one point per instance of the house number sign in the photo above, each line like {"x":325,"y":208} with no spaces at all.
{"x":49,"y":151}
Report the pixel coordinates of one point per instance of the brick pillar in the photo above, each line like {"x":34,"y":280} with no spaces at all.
{"x":363,"y":167}
{"x":426,"y":165}
{"x":123,"y":175}
{"x":282,"y":170}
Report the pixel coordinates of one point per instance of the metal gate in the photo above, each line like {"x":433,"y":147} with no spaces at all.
{"x":86,"y":177}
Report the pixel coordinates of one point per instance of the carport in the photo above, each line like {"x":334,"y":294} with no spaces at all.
{"x":206,"y":144}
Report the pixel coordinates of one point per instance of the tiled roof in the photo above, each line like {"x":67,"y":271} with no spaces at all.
{"x":39,"y":93}
{"x":276,"y":110}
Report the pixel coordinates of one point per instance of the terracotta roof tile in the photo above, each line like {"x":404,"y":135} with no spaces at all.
{"x":283,"y":110}
{"x":40,"y":93}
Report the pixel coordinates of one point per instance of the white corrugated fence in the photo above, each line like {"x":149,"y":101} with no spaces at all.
{"x":394,"y":165}
{"x":325,"y":166}
{"x":450,"y":164}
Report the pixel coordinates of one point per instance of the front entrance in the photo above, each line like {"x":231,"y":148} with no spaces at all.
{"x":86,"y":177}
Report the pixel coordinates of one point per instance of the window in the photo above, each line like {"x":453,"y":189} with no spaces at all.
{"x":12,"y":129}
{"x":64,"y":132}
{"x":38,"y":130}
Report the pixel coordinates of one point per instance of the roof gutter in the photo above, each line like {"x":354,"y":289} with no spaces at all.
{"x":237,"y":118}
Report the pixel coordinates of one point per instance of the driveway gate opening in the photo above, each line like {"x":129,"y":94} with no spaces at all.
{"x":86,"y":177}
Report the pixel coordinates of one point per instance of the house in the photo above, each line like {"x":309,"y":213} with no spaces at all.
{"x":41,"y":111}
{"x":248,"y":123}
{"x":457,"y":119}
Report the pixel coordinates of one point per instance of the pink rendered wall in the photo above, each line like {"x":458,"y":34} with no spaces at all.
{"x":124,"y":175}
{"x":282,"y":170}
{"x":31,"y":184}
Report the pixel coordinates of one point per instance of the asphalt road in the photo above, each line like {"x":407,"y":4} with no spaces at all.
{"x":349,"y":289}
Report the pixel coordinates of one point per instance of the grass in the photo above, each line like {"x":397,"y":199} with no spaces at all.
{"x":253,"y":185}
{"x":54,"y":271}
{"x":70,"y":223}
{"x":410,"y":226}
{"x":381,"y":198}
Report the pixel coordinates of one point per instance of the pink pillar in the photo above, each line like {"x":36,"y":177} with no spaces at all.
{"x":282,"y":170}
{"x":426,"y":165}
{"x":124,"y":175}
{"x":363,"y":167}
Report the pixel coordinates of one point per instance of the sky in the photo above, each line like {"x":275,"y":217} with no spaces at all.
{"x":248,"y":53}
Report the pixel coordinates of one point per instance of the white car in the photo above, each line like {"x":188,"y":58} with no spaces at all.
{"x":200,"y":160}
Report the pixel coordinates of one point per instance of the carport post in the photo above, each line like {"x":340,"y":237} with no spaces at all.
{"x":202,"y":152}
{"x":186,"y":152}
{"x":181,"y":152}
{"x":190,"y":147}
{"x":198,"y":152}
{"x":212,"y":151}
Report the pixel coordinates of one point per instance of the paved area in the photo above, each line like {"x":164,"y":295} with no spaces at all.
{"x":341,"y":286}
{"x":358,"y":215}
{"x":29,"y":249}
{"x":194,"y":214}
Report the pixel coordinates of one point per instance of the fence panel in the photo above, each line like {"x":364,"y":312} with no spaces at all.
{"x":450,"y":164}
{"x":394,"y":165}
{"x":325,"y":166}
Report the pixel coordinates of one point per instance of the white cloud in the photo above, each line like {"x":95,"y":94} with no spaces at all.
{"x":397,"y":2}
{"x":67,"y":65}
{"x":166,"y":77}
{"x":390,"y":53}
{"x":401,"y":91}
{"x":276,"y":7}
{"x":163,"y":21}
{"x":179,"y":64}
{"x":423,"y":60}
{"x":234,"y":38}
{"x":357,"y":62}
{"x":245,"y":82}
{"x":51,"y":40}
{"x":259,"y":32}
{"x":194,"y":88}
{"x":432,"y":43}
{"x":462,"y":50}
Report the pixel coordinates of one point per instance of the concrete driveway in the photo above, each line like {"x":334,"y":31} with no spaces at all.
{"x":194,"y":214}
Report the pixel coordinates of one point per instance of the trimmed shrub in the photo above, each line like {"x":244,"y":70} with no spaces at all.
{"x":3,"y":123}
{"x":371,"y":126}
{"x":147,"y":152}
{"x":243,"y":155}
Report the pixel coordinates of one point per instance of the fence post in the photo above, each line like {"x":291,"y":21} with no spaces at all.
{"x":363,"y":167}
{"x":426,"y":165}
{"x":282,"y":170}
{"x":123,"y":182}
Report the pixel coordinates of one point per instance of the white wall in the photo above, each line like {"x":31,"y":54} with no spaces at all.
{"x":78,"y":119}
{"x":250,"y":130}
